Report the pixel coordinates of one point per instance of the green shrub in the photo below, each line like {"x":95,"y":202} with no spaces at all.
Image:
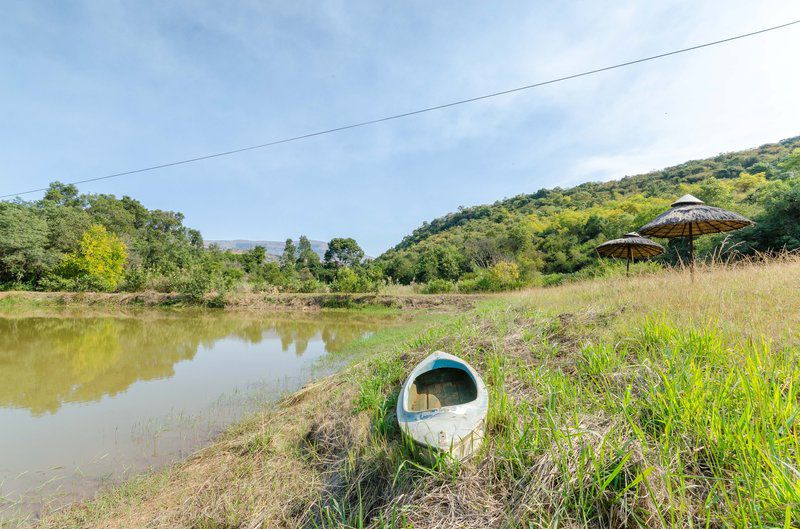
{"x":337,"y":302}
{"x":438,"y":286}
{"x":501,"y":276}
{"x":58,"y":283}
{"x":210,"y":274}
{"x":135,"y":279}
{"x":551,"y":280}
{"x":350,"y":280}
{"x":309,"y":286}
{"x":474,"y":282}
{"x":197,"y":283}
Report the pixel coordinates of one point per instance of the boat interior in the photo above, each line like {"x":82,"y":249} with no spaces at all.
{"x":445,"y":386}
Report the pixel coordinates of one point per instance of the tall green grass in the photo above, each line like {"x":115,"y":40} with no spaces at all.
{"x":673,"y":426}
{"x":722,"y":415}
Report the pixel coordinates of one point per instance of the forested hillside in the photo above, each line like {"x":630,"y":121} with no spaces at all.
{"x":73,"y":241}
{"x":540,"y":237}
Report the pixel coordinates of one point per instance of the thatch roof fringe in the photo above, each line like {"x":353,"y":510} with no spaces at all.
{"x":640,"y":247}
{"x":703,"y":219}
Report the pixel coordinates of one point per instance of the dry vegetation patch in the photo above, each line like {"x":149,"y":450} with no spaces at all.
{"x":245,"y":301}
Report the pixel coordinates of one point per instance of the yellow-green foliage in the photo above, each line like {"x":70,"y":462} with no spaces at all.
{"x":506,"y":273}
{"x":630,"y":211}
{"x":100,"y":259}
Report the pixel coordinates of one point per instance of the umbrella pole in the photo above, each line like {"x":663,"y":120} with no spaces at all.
{"x":628,"y":265}
{"x":691,"y":252}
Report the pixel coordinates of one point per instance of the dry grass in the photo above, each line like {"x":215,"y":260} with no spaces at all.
{"x":398,"y":298}
{"x":650,"y":402}
{"x":748,"y":298}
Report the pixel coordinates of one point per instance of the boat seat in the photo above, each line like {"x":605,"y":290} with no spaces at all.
{"x":441,"y":387}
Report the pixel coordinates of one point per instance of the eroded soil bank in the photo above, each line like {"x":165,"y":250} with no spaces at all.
{"x":239,"y":301}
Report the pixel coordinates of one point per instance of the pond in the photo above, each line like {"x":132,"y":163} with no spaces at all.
{"x":90,"y":400}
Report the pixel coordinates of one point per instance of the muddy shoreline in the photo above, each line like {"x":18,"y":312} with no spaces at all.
{"x":246,"y":302}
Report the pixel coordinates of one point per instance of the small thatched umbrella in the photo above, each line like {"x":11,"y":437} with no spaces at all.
{"x":631,"y":246}
{"x":690,"y":217}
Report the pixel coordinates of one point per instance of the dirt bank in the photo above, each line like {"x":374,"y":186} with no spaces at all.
{"x":245,"y":302}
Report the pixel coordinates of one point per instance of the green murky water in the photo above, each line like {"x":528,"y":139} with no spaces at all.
{"x":89,"y":400}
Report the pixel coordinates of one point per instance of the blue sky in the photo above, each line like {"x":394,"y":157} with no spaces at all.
{"x":91,"y":88}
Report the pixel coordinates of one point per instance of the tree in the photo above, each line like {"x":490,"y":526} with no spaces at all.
{"x":398,"y":266}
{"x":163,"y":242}
{"x":307,"y":258}
{"x":343,"y":252}
{"x":23,"y":244}
{"x":351,"y":280}
{"x":427,"y":268}
{"x":438,"y":262}
{"x":520,"y":237}
{"x":252,"y":259}
{"x":66,"y":226}
{"x":63,"y":195}
{"x":160,"y":248}
{"x":289,"y":256}
{"x":791,"y":165}
{"x":195,"y":238}
{"x":714,"y":192}
{"x":778,"y":227}
{"x":483,"y":251}
{"x":112,"y":213}
{"x":449,"y":262}
{"x":100,"y":262}
{"x":506,"y":274}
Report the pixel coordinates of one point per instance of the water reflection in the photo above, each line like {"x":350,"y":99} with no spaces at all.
{"x":48,"y":361}
{"x":88,"y":399}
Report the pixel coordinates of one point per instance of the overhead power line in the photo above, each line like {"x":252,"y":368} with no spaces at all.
{"x":418,"y":111}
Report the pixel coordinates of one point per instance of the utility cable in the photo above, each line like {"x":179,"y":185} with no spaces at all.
{"x":419,"y":111}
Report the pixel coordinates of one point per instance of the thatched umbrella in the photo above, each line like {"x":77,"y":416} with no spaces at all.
{"x":631,"y":246}
{"x":690,"y":217}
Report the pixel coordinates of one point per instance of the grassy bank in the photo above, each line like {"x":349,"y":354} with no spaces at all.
{"x":650,"y":402}
{"x":239,"y":301}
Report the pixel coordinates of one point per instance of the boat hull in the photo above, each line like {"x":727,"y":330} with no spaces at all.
{"x":453,"y":425}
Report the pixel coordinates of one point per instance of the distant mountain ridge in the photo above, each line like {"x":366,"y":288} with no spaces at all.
{"x":274,"y":248}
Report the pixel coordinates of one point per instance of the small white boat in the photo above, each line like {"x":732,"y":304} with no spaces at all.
{"x":443,"y":405}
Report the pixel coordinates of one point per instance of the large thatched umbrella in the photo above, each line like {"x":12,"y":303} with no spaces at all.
{"x":690,"y":217}
{"x":631,"y":246}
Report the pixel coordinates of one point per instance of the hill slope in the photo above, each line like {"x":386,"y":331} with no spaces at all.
{"x":554,"y":231}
